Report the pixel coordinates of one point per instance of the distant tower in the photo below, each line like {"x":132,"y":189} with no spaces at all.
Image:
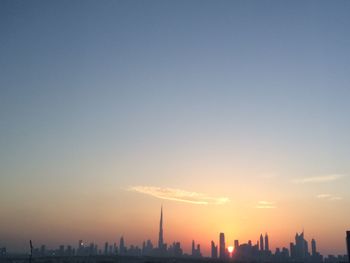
{"x":106,"y":248}
{"x":300,"y":246}
{"x":122,"y":248}
{"x":348,"y":243}
{"x":266,"y":242}
{"x":80,"y":247}
{"x":214,"y":250}
{"x":222,"y":246}
{"x":236,"y":244}
{"x":160,"y":240}
{"x":198,"y":250}
{"x":292,"y":250}
{"x":313,"y":247}
{"x":261,"y":242}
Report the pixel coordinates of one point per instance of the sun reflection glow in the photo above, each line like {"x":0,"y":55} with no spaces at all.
{"x":230,"y":249}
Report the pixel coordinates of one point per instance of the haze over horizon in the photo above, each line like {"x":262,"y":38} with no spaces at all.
{"x":232,"y":114}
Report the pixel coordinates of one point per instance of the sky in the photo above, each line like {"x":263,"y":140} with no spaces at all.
{"x":233,"y":115}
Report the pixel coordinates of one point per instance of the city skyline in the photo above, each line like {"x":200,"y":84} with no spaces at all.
{"x":234,"y":115}
{"x":297,"y":250}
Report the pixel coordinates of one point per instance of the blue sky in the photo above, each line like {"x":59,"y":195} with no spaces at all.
{"x":154,"y":93}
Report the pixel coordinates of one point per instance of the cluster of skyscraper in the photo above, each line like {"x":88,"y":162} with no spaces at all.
{"x":300,"y":250}
{"x":260,"y":251}
{"x":241,"y":251}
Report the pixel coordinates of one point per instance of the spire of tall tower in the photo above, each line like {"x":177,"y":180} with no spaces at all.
{"x":266,"y":242}
{"x":160,"y":240}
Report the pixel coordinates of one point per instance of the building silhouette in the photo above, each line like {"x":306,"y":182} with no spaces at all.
{"x":222,"y":246}
{"x":348,"y":243}
{"x":236,"y":244}
{"x":80,"y":247}
{"x":299,"y":250}
{"x":160,"y":239}
{"x":122,"y":248}
{"x":42,"y":250}
{"x":267,"y":243}
{"x":313,"y":247}
{"x":244,"y":252}
{"x":175,"y":250}
{"x":214,"y":250}
{"x":147,"y":248}
{"x":261,"y":242}
{"x":196,"y":251}
{"x":106,"y":248}
{"x":292,"y":250}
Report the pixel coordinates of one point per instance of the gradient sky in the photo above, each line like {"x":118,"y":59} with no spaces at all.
{"x":109,"y":109}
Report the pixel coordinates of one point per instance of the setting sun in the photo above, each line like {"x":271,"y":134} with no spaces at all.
{"x":230,"y":249}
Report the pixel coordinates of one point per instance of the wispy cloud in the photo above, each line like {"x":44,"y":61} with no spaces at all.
{"x":179,"y":195}
{"x":336,"y":198}
{"x":329,"y":197}
{"x":319,"y":179}
{"x":265,"y":205}
{"x":323,"y":196}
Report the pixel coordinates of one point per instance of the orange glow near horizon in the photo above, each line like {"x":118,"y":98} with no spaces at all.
{"x":230,"y":249}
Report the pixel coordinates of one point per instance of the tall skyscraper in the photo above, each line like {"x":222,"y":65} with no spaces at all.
{"x":160,"y":240}
{"x":292,"y":250}
{"x":122,"y":248}
{"x":214,"y":250}
{"x":266,"y":242}
{"x":80,"y":247}
{"x":261,"y":242}
{"x":222,"y":246}
{"x":236,"y":243}
{"x":313,"y":247}
{"x":106,"y":248}
{"x":196,"y":252}
{"x":43,"y":250}
{"x":348,"y":243}
{"x":300,"y":247}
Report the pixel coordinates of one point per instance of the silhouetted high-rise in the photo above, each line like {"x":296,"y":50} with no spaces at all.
{"x":236,"y":243}
{"x":266,"y":242}
{"x":313,"y":247}
{"x":160,"y":240}
{"x":106,"y":248}
{"x":214,"y":250}
{"x":122,"y":248}
{"x":348,"y":243}
{"x":222,"y":246}
{"x":261,"y":242}
{"x":300,"y":246}
{"x":196,"y":252}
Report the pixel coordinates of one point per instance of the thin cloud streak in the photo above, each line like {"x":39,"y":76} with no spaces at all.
{"x":336,"y":198}
{"x":322,"y":196}
{"x":265,"y":205}
{"x":319,"y":179}
{"x":329,"y":197}
{"x":179,"y":195}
